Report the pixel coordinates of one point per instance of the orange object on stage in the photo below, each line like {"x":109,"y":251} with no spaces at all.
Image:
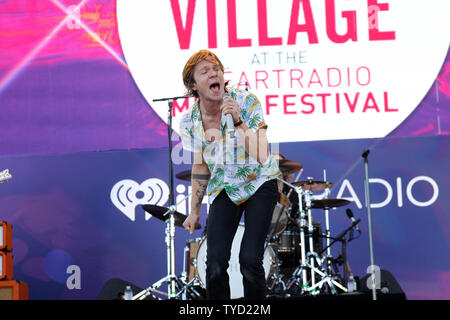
{"x":13,"y":290}
{"x":6,"y":266}
{"x":5,"y":236}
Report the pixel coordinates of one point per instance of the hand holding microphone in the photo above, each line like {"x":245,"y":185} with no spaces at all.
{"x":230,"y":109}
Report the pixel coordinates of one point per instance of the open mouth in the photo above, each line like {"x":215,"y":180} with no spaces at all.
{"x":215,"y":87}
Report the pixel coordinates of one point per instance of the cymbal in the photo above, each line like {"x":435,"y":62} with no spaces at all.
{"x":158,"y":212}
{"x":184,"y":175}
{"x":289,"y":166}
{"x":313,"y":185}
{"x":329,"y":203}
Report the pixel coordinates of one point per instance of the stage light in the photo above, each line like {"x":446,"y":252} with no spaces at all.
{"x":19,"y":67}
{"x":5,"y":236}
{"x":94,"y":35}
{"x":22,"y":64}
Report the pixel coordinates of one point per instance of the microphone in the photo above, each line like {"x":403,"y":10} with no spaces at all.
{"x":352,"y":217}
{"x":228,"y":117}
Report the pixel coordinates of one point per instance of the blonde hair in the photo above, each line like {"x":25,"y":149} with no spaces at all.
{"x":188,"y":71}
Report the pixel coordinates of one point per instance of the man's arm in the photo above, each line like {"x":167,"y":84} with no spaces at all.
{"x":199,"y":181}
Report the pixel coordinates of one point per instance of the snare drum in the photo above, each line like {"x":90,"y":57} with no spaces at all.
{"x":289,"y":241}
{"x":235,"y":276}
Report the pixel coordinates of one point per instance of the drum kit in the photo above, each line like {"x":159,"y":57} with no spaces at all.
{"x":296,"y":260}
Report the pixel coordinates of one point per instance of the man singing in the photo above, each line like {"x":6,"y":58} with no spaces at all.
{"x":238,"y":173}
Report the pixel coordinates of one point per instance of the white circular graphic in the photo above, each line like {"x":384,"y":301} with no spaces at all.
{"x":322,"y":70}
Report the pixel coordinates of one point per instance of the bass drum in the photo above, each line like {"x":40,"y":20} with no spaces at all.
{"x":236,"y":286}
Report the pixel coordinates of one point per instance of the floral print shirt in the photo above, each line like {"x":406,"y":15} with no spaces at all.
{"x":231,"y":167}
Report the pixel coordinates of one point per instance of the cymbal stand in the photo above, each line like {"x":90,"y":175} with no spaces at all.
{"x":170,"y":246}
{"x":311,"y":255}
{"x":300,"y":278}
{"x":182,"y":287}
{"x":300,"y":273}
{"x":328,"y":256}
{"x":316,"y":260}
{"x":324,"y":272}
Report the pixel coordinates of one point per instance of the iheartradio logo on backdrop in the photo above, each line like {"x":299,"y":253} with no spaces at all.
{"x":322,"y":69}
{"x":127,"y":194}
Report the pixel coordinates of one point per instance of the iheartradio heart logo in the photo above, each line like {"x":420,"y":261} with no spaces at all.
{"x":127,"y":194}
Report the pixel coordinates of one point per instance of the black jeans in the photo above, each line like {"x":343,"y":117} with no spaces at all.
{"x":223,"y":220}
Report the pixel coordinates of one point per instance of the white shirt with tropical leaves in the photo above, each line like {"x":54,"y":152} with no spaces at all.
{"x":230,"y":165}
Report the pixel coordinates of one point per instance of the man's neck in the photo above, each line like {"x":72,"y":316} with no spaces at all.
{"x":210,"y":108}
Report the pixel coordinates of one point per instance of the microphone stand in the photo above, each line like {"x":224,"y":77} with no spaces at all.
{"x":369,"y":216}
{"x":341,"y":237}
{"x":171,"y":278}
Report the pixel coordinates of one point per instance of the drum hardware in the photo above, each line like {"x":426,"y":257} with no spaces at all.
{"x":312,"y":255}
{"x":274,"y":280}
{"x":189,"y":284}
{"x":326,"y":193}
{"x":184,"y":286}
{"x":320,"y":201}
{"x":190,"y":258}
{"x":328,"y":256}
{"x":317,"y":267}
{"x":341,"y":238}
{"x":326,"y":205}
{"x":326,"y":208}
{"x":184,"y":175}
{"x":300,"y":272}
{"x":281,"y":214}
{"x":312,"y":262}
{"x":163,"y":214}
{"x":172,"y":218}
{"x":288,"y":241}
{"x":310,"y":273}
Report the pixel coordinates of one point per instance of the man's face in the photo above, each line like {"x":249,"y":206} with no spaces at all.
{"x":209,"y":81}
